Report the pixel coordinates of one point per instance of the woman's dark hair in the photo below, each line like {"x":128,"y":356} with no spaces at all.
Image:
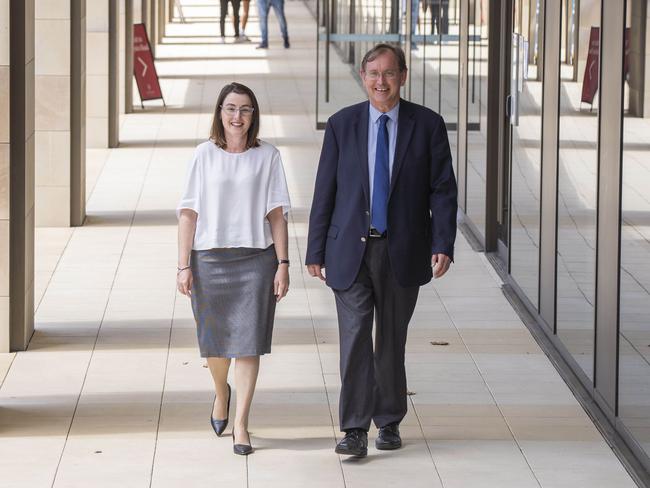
{"x":380,"y":49}
{"x":217,"y":133}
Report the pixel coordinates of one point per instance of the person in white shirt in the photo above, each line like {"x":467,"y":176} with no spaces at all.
{"x":233,"y":251}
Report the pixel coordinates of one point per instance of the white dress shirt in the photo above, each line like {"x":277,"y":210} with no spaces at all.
{"x":232,"y":193}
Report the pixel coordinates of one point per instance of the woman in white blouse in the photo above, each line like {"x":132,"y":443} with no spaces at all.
{"x":233,"y":251}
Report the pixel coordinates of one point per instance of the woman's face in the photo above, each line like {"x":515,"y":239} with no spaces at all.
{"x":236,"y":115}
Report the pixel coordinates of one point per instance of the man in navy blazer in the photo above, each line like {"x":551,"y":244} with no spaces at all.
{"x":382,"y":223}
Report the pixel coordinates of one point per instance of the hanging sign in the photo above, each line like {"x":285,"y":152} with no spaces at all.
{"x":143,"y":65}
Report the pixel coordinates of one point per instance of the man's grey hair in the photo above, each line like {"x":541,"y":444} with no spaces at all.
{"x":380,"y":49}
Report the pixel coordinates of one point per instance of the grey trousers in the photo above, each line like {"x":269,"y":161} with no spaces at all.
{"x":373,"y":383}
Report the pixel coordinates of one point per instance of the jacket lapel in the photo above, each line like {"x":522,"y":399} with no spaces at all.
{"x":361,"y":129}
{"x":404,"y":133}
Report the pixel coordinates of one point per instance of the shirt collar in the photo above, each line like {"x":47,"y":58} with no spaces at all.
{"x":375,"y":114}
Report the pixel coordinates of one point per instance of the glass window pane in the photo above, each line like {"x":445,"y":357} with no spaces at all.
{"x":577,"y":183}
{"x":634,"y":340}
{"x":526,"y":155}
{"x":477,"y":98}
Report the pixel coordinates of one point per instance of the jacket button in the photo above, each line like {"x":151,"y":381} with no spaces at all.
{"x":363,"y":239}
{"x":367,"y":213}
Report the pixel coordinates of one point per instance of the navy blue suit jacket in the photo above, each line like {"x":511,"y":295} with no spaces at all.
{"x":422,"y":203}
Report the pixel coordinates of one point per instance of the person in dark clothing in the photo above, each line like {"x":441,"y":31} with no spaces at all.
{"x":439,"y":16}
{"x":235,"y":21}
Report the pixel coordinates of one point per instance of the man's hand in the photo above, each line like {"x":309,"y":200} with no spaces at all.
{"x":440,"y":264}
{"x":316,"y":270}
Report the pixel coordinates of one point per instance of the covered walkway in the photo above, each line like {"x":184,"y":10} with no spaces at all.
{"x":112,"y":392}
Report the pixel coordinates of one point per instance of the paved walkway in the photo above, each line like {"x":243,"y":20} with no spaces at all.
{"x":112,"y":391}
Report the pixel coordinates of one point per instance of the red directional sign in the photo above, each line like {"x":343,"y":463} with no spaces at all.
{"x":590,"y":80}
{"x":143,"y":65}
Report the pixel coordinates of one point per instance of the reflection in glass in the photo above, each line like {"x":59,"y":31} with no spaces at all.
{"x":477,"y":98}
{"x":634,"y":318}
{"x":434,"y":56}
{"x":355,"y":26}
{"x":526,"y":142}
{"x":339,"y":60}
{"x":577,"y":187}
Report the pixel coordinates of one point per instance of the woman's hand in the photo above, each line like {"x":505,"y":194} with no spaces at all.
{"x":184,"y":282}
{"x":281,"y":282}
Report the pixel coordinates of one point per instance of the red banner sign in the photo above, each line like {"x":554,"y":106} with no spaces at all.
{"x":590,"y":79}
{"x":143,"y":65}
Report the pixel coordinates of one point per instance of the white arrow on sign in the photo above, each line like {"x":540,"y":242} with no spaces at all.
{"x":144,"y":66}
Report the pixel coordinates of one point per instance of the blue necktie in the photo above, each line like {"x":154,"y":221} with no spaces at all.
{"x":381,"y":181}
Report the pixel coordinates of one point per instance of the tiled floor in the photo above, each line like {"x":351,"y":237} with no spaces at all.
{"x":112,"y":391}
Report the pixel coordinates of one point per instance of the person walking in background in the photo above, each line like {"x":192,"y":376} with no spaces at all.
{"x":263,"y":7}
{"x":246,"y":4}
{"x":415,"y":15}
{"x":382,"y":224}
{"x":235,"y":20}
{"x":233,"y":251}
{"x":439,"y":16}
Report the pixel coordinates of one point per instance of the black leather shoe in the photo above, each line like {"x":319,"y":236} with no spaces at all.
{"x":355,"y":443}
{"x":388,"y":438}
{"x":241,"y":449}
{"x":220,"y":425}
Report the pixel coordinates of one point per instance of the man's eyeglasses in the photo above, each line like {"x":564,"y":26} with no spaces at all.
{"x":389,"y":74}
{"x":232,"y":110}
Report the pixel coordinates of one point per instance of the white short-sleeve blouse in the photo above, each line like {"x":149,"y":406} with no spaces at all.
{"x":232,"y":193}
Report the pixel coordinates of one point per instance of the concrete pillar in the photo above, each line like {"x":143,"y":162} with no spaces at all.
{"x":152,"y":24}
{"x":122,"y":56}
{"x":128,"y":56}
{"x":115,"y":81}
{"x":97,"y":88}
{"x":78,"y":113}
{"x":59,"y":79}
{"x":134,"y":15}
{"x":16,"y":174}
{"x":163,"y":10}
{"x":639,"y":82}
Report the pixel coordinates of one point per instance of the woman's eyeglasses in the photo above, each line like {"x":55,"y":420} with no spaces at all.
{"x":232,"y":110}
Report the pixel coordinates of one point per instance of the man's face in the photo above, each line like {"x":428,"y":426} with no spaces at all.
{"x":383,"y":79}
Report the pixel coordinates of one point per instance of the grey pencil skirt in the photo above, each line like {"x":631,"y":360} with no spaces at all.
{"x":233,"y":300}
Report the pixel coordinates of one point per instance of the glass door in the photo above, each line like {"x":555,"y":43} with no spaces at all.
{"x":525,"y":143}
{"x":427,"y":30}
{"x":346,"y":31}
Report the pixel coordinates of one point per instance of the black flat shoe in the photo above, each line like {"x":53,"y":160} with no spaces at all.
{"x":355,"y":443}
{"x":220,"y":425}
{"x":388,"y":438}
{"x":241,"y":449}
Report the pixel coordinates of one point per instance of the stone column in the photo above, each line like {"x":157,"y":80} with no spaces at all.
{"x":163,"y":10}
{"x":114,"y":79}
{"x":152,"y":24}
{"x":97,"y":87}
{"x":121,"y":35}
{"x":16,"y":174}
{"x":134,"y":15}
{"x":59,"y":88}
{"x":78,"y":113}
{"x":639,"y":81}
